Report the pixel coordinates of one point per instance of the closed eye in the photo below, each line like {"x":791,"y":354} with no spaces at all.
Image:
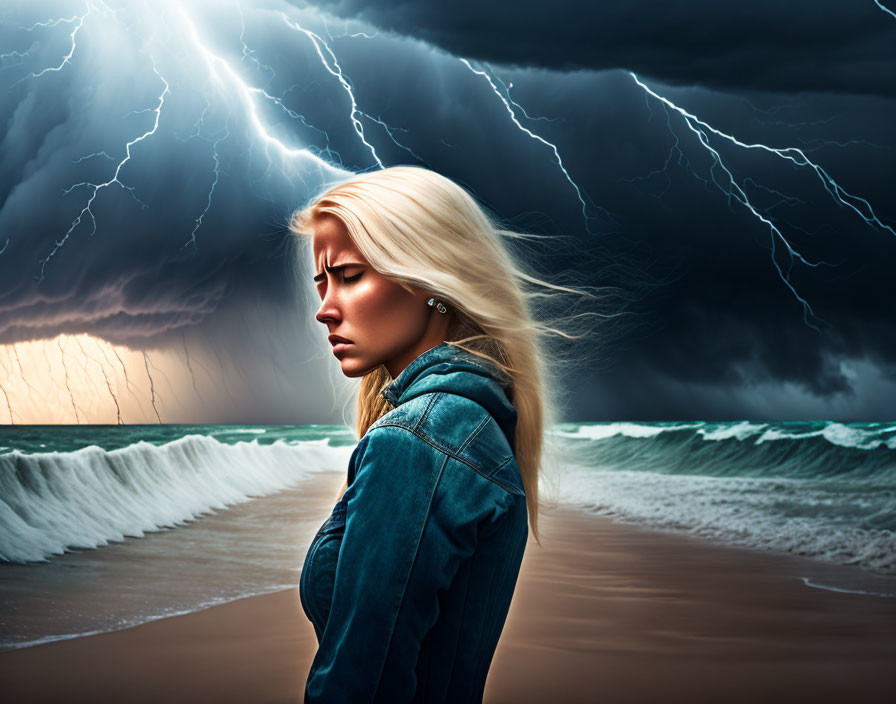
{"x":321,"y":277}
{"x":349,"y":279}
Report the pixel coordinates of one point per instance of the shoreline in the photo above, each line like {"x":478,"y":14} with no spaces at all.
{"x":603,"y":610}
{"x":47,"y":640}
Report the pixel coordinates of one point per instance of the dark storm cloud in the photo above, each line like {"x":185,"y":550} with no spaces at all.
{"x":709,"y":329}
{"x":659,"y":397}
{"x":804,"y":45}
{"x":146,"y":260}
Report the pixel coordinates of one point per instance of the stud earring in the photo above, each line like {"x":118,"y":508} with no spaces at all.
{"x":437,"y":304}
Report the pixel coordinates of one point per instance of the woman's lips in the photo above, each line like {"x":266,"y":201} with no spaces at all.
{"x":341,"y":347}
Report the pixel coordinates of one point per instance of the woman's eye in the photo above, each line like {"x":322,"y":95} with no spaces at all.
{"x":349,"y":279}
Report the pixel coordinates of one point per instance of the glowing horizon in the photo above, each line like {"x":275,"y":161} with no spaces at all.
{"x":84,"y":380}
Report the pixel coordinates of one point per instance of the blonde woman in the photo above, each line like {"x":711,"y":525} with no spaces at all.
{"x":409,"y":581}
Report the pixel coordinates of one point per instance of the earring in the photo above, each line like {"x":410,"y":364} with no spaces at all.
{"x":437,"y":304}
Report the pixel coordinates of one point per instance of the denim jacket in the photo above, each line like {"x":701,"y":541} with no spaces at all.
{"x":409,"y":580}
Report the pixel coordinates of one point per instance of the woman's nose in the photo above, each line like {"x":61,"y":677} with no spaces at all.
{"x":328,"y":311}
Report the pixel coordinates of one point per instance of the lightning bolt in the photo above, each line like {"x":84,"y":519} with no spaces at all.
{"x":389,"y":131}
{"x":98,"y":187}
{"x":12,"y":421}
{"x":198,"y":361}
{"x":152,"y":387}
{"x":112,"y":366}
{"x":183,"y":338}
{"x":112,"y":394}
{"x":336,"y":70}
{"x":733,"y":190}
{"x":5,"y":246}
{"x":86,"y":374}
{"x":519,"y":107}
{"x":246,"y":92}
{"x":353,"y":35}
{"x":105,"y":376}
{"x":509,"y":104}
{"x":67,"y":384}
{"x":794,"y":155}
{"x":250,"y":53}
{"x":301,"y":118}
{"x":79,"y":20}
{"x":48,"y":23}
{"x":165,"y":377}
{"x":18,"y":54}
{"x":15,"y":352}
{"x":783,"y":198}
{"x":885,"y":9}
{"x":813,"y":145}
{"x":211,"y":191}
{"x":664,"y":170}
{"x":222,"y":72}
{"x":90,"y":156}
{"x":345,"y":32}
{"x":127,"y":382}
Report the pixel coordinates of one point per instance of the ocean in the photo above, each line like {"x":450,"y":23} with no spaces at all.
{"x":106,"y":527}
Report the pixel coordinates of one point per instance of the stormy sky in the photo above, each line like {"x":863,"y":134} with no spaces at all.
{"x":722,"y":172}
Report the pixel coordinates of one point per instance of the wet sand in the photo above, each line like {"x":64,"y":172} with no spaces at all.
{"x":602,"y":612}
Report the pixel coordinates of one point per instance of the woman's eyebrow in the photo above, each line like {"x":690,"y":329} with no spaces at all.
{"x":332,"y":269}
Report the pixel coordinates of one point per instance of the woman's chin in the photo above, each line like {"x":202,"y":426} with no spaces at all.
{"x":352,"y":367}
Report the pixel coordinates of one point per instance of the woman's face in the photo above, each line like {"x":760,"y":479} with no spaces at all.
{"x":382,"y":322}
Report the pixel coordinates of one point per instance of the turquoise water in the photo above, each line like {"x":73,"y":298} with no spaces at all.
{"x":103,"y":527}
{"x":30,"y":439}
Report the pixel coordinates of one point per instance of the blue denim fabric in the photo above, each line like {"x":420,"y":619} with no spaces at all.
{"x":409,"y":580}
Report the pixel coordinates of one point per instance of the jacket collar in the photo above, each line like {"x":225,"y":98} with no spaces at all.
{"x":453,"y":370}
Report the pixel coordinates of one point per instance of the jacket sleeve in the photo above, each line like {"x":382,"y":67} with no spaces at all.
{"x":411,"y":518}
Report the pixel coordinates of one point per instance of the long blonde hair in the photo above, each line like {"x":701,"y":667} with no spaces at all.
{"x":423,"y":230}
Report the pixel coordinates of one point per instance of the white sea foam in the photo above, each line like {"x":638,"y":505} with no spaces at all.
{"x":53,"y":501}
{"x":773,"y":434}
{"x":844,"y":436}
{"x":842,"y":590}
{"x":836,"y":434}
{"x":738,"y":431}
{"x":124,"y":623}
{"x":631,"y":430}
{"x":815,"y":518}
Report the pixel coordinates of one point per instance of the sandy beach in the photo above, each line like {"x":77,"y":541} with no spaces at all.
{"x":602,"y":612}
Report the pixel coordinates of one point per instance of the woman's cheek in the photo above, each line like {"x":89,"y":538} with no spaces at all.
{"x":367,"y":302}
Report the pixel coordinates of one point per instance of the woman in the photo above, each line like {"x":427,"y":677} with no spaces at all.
{"x":409,"y":580}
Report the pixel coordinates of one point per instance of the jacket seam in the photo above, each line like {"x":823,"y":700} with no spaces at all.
{"x":427,"y":409}
{"x":466,"y":443}
{"x":447,"y":452}
{"x":502,"y":465}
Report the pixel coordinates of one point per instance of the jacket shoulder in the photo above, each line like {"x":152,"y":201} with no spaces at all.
{"x":459,"y":427}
